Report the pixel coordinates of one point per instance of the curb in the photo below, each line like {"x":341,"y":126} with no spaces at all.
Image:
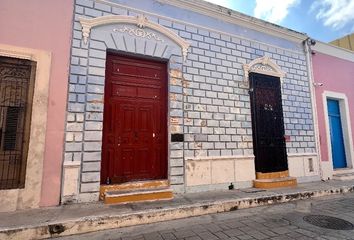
{"x":105,"y":222}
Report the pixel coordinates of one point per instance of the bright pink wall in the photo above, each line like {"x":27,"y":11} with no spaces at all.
{"x":337,"y":75}
{"x":45,"y":25}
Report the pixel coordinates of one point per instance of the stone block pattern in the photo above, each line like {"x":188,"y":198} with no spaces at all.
{"x":207,"y":96}
{"x":217,"y":102}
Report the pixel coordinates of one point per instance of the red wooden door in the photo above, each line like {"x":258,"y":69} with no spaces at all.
{"x":135,"y":120}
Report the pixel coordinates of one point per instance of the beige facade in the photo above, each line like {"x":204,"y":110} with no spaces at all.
{"x":29,"y":196}
{"x":345,"y":42}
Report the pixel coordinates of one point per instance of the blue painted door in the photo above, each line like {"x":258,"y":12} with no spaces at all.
{"x":337,"y":142}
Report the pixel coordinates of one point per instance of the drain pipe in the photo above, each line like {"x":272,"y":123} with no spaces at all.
{"x":307,"y":43}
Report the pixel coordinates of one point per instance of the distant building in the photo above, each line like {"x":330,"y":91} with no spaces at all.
{"x":345,"y":42}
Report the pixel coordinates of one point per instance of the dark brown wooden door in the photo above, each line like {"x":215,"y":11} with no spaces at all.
{"x":267,"y":124}
{"x":135,"y":127}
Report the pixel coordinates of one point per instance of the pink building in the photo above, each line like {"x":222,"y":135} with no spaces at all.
{"x":333,"y":70}
{"x":35,"y":38}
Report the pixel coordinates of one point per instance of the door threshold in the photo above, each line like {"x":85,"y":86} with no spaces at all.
{"x":343,"y":170}
{"x":134,"y":185}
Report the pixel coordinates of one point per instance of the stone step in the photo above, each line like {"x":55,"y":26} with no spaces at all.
{"x":344,"y":176}
{"x":275,"y":182}
{"x":140,"y":195}
{"x":137,"y":185}
{"x":270,"y":175}
{"x":342,"y":170}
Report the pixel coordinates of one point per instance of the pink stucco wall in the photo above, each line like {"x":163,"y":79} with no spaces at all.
{"x":45,"y":25}
{"x":337,"y":75}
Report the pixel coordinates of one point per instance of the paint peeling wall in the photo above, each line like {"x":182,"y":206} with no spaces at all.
{"x":209,"y":101}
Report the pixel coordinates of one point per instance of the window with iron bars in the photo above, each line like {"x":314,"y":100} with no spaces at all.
{"x":16,"y":93}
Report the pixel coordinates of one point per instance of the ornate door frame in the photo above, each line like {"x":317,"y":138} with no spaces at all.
{"x":263,"y":65}
{"x":128,"y":35}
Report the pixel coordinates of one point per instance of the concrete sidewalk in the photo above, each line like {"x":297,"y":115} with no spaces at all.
{"x":83,"y":218}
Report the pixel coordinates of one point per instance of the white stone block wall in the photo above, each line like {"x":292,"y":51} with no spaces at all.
{"x":207,"y":95}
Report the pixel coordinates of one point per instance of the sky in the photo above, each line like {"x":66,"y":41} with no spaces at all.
{"x":324,"y":20}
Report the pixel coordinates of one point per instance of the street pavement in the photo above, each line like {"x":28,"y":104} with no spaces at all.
{"x":277,"y":222}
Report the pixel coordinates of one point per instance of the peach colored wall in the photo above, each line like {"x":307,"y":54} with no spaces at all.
{"x":45,"y":25}
{"x":337,"y":75}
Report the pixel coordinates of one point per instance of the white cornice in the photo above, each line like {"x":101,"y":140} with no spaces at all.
{"x":234,"y":17}
{"x":141,"y":21}
{"x":334,"y":51}
{"x":113,"y":4}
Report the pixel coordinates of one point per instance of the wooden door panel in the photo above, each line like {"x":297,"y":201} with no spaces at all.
{"x":267,"y":124}
{"x":109,"y":154}
{"x":124,"y":91}
{"x":150,"y":93}
{"x":158,"y":155}
{"x":145,"y":118}
{"x":126,"y":116}
{"x":159,"y":134}
{"x":135,"y":124}
{"x":127,"y":163}
{"x":143,"y":161}
{"x":137,"y":69}
{"x":147,"y":92}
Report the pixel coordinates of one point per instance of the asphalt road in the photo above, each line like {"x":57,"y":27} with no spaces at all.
{"x":280,"y":222}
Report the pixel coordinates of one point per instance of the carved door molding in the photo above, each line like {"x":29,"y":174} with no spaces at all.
{"x":263,"y":65}
{"x":141,"y":22}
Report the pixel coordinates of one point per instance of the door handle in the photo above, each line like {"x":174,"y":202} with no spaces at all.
{"x":136,"y":134}
{"x":119,"y":139}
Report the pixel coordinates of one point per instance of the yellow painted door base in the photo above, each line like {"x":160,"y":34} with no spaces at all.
{"x":274,"y":180}
{"x":136,"y":192}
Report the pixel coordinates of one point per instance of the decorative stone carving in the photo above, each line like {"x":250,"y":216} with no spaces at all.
{"x":141,"y":21}
{"x":263,"y":65}
{"x":138,"y":33}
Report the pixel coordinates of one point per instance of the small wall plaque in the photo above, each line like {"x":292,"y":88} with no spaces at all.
{"x":177,"y":137}
{"x":174,"y":121}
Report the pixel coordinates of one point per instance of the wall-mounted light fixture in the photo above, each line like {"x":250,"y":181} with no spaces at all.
{"x":317,"y":84}
{"x":311,"y":42}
